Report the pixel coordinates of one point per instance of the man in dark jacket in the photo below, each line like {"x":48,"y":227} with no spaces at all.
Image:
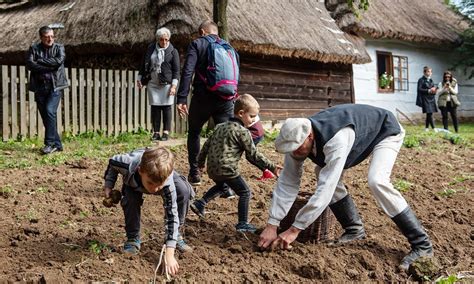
{"x":336,"y":139}
{"x":45,"y":60}
{"x":204,"y":104}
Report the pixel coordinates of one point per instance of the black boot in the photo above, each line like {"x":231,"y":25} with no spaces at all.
{"x":417,"y":237}
{"x":347,"y":215}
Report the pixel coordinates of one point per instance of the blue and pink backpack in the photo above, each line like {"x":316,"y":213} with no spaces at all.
{"x":222,"y":71}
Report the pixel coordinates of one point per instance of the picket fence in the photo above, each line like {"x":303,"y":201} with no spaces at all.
{"x":97,"y":100}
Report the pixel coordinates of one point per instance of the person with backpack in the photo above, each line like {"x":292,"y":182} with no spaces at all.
{"x":215,"y":66}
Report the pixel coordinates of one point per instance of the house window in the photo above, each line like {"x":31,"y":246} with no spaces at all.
{"x":392,"y":72}
{"x":400,"y":73}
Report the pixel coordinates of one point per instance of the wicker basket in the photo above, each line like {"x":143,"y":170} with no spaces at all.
{"x":321,"y":229}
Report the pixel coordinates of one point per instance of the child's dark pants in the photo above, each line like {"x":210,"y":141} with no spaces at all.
{"x":239,"y":186}
{"x":132,"y":202}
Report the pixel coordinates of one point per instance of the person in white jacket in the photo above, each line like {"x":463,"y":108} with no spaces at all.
{"x":336,"y":139}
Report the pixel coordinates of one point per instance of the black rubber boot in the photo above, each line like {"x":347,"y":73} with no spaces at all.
{"x":347,"y":215}
{"x":417,"y":237}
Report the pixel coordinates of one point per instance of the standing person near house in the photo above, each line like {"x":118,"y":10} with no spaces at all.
{"x":205,"y":103}
{"x":425,"y":97}
{"x":448,"y":99}
{"x":160,"y":73}
{"x":337,"y":139}
{"x":45,"y":60}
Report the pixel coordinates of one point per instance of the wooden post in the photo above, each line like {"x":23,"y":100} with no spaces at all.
{"x":142,"y":108}
{"x":32,"y":112}
{"x":5,"y":117}
{"x":89,"y":100}
{"x":110,"y":101}
{"x":82,"y":121}
{"x":220,"y":17}
{"x":96,"y":98}
{"x":14,"y":101}
{"x":103,"y":99}
{"x":22,"y":89}
{"x":67,"y":106}
{"x":123,"y":103}
{"x":130,"y":84}
{"x":116,"y":95}
{"x":74,"y":99}
{"x":136,"y":104}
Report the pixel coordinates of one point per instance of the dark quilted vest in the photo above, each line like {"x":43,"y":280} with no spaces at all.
{"x":371,"y":125}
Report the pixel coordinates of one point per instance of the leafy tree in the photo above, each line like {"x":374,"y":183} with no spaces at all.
{"x":466,"y":49}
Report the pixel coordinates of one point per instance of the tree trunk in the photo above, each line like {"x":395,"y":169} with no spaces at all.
{"x":220,"y":17}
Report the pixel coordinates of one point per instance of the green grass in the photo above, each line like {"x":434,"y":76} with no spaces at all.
{"x":26,"y":154}
{"x":402,"y":185}
{"x":97,"y":247}
{"x":416,"y":136}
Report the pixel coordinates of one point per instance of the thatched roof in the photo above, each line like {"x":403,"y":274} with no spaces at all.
{"x":423,"y":21}
{"x":292,"y":29}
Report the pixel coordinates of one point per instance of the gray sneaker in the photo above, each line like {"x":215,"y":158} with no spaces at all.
{"x":132,"y":246}
{"x":182,"y":246}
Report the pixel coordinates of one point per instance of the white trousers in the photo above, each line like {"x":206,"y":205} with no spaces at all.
{"x":383,"y":158}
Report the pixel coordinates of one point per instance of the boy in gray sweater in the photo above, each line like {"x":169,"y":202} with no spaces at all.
{"x":150,"y":171}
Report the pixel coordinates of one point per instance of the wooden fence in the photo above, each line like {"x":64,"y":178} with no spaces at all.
{"x":97,"y":100}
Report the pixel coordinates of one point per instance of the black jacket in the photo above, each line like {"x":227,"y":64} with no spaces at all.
{"x":41,"y":60}
{"x":424,"y":99}
{"x":196,"y":61}
{"x":169,"y":67}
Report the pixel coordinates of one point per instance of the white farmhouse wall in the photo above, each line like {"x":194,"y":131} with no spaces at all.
{"x":366,"y":83}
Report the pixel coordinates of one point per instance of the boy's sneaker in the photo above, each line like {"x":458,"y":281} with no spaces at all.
{"x":194,"y":179}
{"x":198,"y":208}
{"x":132,"y":246}
{"x":182,"y":246}
{"x":245,"y":227}
{"x":228,"y":193}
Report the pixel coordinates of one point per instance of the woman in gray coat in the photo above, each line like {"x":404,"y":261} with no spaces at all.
{"x":160,"y":73}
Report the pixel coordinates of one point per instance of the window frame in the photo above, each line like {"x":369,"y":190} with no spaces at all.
{"x":390,"y":69}
{"x":400,"y":72}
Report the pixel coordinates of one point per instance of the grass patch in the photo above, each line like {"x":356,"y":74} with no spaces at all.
{"x":447,"y":280}
{"x":6,"y":191}
{"x":26,"y":154}
{"x":416,"y":136}
{"x":97,"y":247}
{"x":450,"y":192}
{"x":402,"y":185}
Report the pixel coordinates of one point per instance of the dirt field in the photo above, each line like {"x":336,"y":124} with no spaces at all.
{"x":55,"y":228}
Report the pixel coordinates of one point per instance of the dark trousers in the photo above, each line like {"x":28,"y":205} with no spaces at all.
{"x":449,"y":108}
{"x":156,"y":113}
{"x":48,"y":107}
{"x":239,"y":186}
{"x":203,"y":107}
{"x":429,"y":120}
{"x":132,"y":201}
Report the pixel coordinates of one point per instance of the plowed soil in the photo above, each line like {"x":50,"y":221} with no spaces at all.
{"x":55,"y":228}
